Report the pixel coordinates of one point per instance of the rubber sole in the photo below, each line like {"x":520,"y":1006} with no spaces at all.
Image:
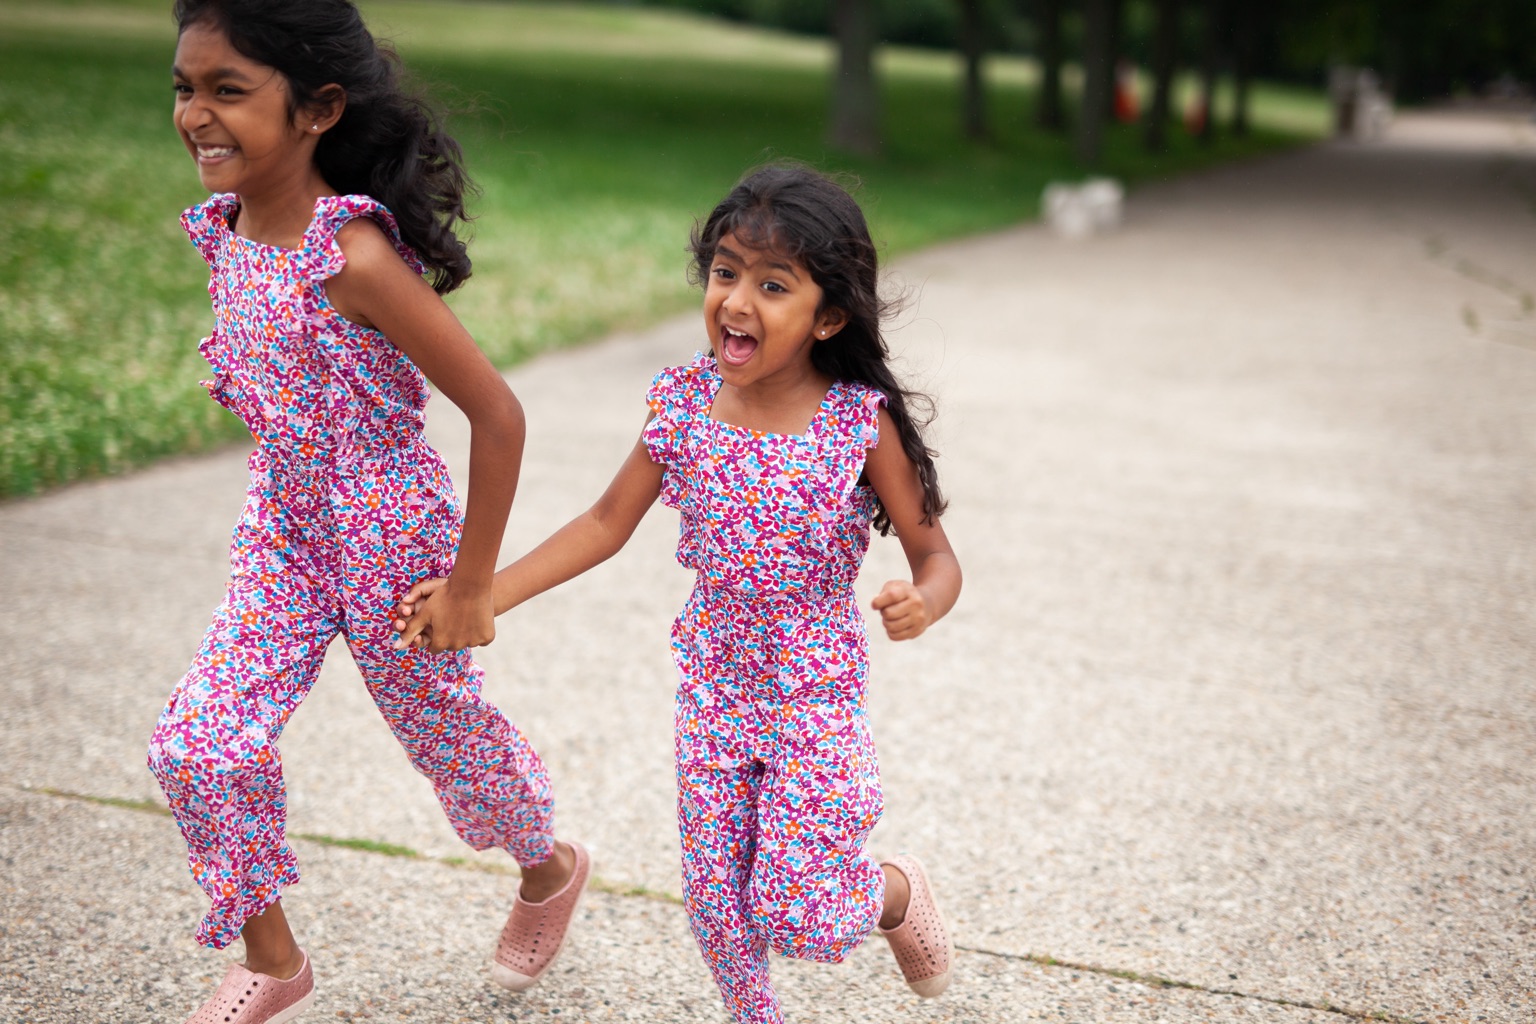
{"x":293,"y":1012}
{"x":515,"y":981}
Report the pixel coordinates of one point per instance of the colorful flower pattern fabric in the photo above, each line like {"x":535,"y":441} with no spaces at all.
{"x":347,"y":507}
{"x":778,"y":783}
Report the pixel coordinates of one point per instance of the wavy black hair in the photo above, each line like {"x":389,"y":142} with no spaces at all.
{"x":801,"y":213}
{"x":389,"y":143}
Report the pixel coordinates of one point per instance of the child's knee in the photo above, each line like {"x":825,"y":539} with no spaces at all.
{"x":780,"y":909}
{"x":192,"y":753}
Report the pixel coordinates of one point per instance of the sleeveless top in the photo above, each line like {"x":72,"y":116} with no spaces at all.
{"x":304,"y":379}
{"x":765,"y":515}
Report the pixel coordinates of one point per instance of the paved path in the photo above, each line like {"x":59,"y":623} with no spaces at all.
{"x":1239,"y":693}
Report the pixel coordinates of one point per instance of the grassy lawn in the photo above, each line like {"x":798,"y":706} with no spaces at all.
{"x":597,"y":134}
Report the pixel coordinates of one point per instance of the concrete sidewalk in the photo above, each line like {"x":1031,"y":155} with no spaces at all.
{"x":1239,"y":694}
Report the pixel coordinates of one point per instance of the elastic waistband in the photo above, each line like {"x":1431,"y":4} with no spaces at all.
{"x":805,"y":599}
{"x":316,"y":456}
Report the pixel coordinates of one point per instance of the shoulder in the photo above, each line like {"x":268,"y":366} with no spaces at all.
{"x":365,"y":246}
{"x":356,"y":231}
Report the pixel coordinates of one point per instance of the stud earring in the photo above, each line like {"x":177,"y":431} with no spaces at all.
{"x":314,"y":127}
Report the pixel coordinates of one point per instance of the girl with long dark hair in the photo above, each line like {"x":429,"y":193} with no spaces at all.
{"x":337,"y":195}
{"x":780,"y":447}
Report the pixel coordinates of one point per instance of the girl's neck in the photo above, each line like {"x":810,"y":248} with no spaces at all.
{"x":775,"y":406}
{"x":279,"y":216}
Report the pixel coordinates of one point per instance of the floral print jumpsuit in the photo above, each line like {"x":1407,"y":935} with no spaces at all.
{"x":778,"y":785}
{"x":347,"y":507}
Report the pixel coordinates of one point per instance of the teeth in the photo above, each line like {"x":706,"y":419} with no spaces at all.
{"x":737,"y":334}
{"x":215,"y":151}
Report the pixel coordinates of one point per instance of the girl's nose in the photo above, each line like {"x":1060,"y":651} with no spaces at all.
{"x":191,"y":113}
{"x":738,"y":302}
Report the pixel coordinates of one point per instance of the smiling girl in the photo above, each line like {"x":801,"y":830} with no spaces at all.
{"x":337,"y":196}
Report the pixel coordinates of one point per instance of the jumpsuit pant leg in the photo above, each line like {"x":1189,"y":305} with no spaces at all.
{"x":776,"y":798}
{"x":398,"y":524}
{"x":814,"y":893}
{"x":718,"y":785}
{"x":214,"y":749}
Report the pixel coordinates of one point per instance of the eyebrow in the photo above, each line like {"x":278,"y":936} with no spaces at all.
{"x":732,"y":254}
{"x":234,"y":73}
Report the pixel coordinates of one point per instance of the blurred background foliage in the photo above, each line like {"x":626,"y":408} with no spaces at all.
{"x":598,"y":132}
{"x":1424,"y":48}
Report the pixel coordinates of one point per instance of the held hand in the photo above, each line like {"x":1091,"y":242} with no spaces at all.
{"x":903,"y":611}
{"x":451,"y":620}
{"x":418,"y":594}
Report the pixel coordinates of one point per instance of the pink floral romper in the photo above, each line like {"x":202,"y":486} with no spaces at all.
{"x":347,"y":507}
{"x":778,"y":786}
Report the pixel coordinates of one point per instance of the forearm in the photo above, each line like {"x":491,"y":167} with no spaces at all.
{"x":495,"y":456}
{"x":936,"y":575}
{"x":584,"y":542}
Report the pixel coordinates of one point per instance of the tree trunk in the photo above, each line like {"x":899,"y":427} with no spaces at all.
{"x":1048,"y":114}
{"x":1095,"y":105}
{"x":1242,"y":58}
{"x":973,"y":46}
{"x":855,"y":116}
{"x":1165,"y":43}
{"x":1114,"y":27}
{"x":1210,"y":59}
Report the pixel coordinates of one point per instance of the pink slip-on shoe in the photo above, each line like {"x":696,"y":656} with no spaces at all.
{"x":534,"y":932}
{"x":921,"y":943}
{"x":247,"y":998}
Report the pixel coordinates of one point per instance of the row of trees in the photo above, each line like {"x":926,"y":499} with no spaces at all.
{"x":1225,"y":32}
{"x":1422,"y":48}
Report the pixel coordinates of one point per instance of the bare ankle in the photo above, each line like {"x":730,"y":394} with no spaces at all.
{"x":279,"y":966}
{"x":270,"y":947}
{"x":898,"y":893}
{"x":542,"y":881}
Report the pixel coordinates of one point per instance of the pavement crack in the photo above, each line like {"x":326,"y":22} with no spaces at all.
{"x":1440,"y":253}
{"x":382,"y":849}
{"x":1157,"y":981}
{"x":377,"y":847}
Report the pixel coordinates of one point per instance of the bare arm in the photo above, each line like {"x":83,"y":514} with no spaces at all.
{"x":907,"y":608}
{"x":591,"y":538}
{"x":377,"y":288}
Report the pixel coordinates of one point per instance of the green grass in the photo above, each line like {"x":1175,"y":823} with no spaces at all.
{"x":597,"y":133}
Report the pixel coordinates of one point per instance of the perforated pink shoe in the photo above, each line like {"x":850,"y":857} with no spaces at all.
{"x":922,"y":945}
{"x":534,"y":932}
{"x":247,"y":998}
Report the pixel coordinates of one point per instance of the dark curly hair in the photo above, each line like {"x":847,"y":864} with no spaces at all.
{"x":801,"y":213}
{"x":389,"y":143}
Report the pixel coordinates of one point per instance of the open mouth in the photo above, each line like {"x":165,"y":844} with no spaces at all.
{"x":736,"y":347}
{"x":205,"y":153}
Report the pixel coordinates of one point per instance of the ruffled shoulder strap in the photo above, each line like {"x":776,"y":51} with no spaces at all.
{"x":855,"y":415}
{"x":321,"y":250}
{"x":207,"y":223}
{"x":677,"y":396}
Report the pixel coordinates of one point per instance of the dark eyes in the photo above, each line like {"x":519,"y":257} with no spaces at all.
{"x":183,"y":89}
{"x":727,"y":274}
